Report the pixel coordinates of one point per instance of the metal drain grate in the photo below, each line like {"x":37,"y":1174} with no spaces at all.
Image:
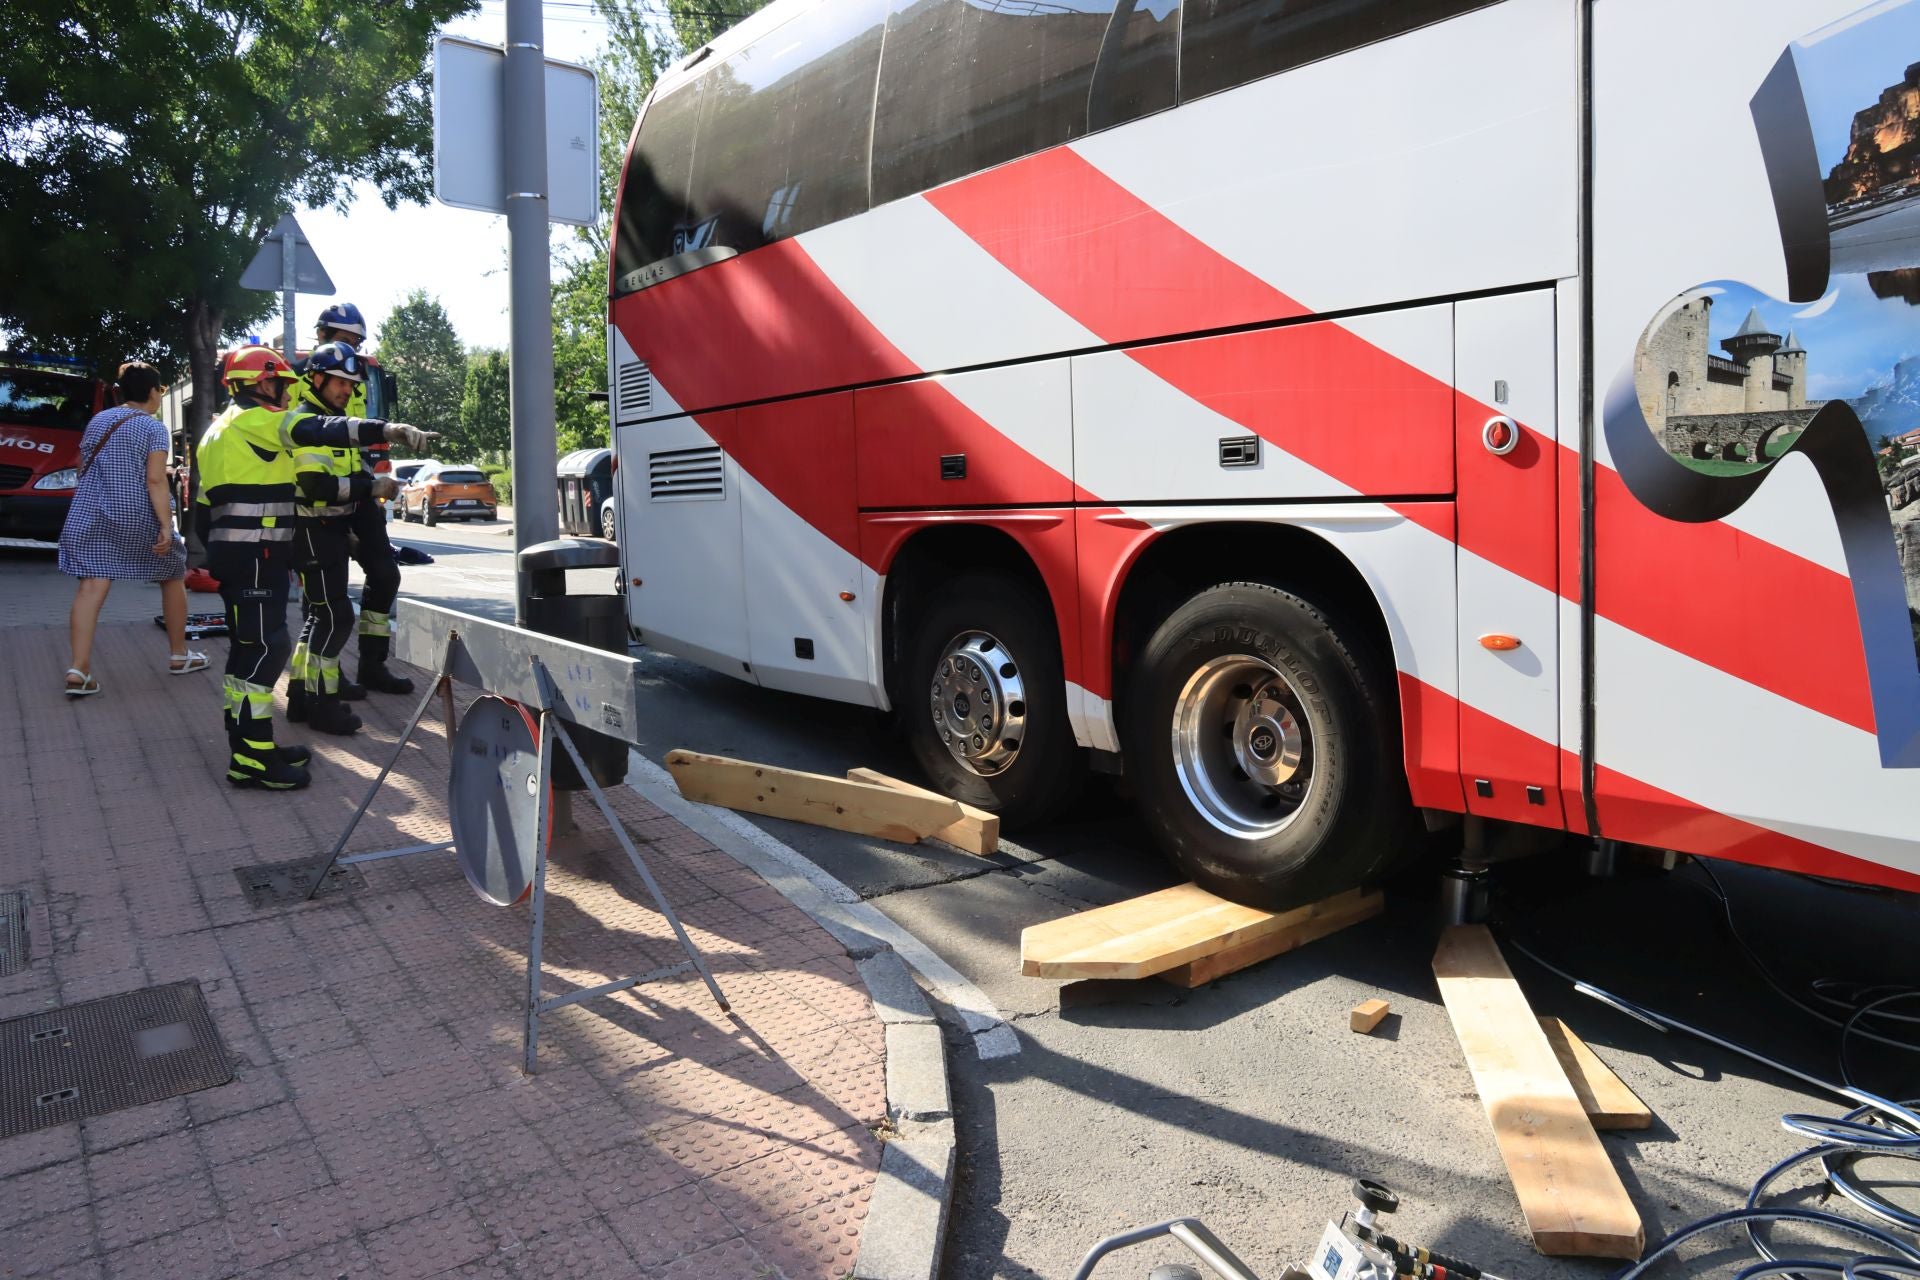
{"x":104,"y":1055}
{"x":13,"y":933}
{"x":283,"y":884}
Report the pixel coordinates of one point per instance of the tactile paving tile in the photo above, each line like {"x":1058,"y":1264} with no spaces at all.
{"x":13,"y":932}
{"x":104,"y":1055}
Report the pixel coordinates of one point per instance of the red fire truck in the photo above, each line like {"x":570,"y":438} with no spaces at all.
{"x":45,"y":405}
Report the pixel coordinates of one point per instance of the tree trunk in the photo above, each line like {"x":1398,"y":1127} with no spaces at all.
{"x":203,"y":362}
{"x":203,"y":366}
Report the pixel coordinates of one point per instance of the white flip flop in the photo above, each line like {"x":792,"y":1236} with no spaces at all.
{"x":190,"y":661}
{"x":87,"y":687}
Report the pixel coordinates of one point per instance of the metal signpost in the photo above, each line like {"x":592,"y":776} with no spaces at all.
{"x":516,"y":134}
{"x":286,"y":264}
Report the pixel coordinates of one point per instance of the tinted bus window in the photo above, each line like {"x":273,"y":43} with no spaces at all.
{"x":1138,"y":71}
{"x":653,"y":203}
{"x":1229,"y":42}
{"x":967,"y":84}
{"x":784,"y":129}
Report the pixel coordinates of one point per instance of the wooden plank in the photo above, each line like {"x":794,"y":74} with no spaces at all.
{"x":810,"y":797}
{"x":1609,"y":1102}
{"x":977,"y":831}
{"x":1572,"y":1198}
{"x":1366,"y":1015}
{"x":1303,"y":925}
{"x":1149,"y":935}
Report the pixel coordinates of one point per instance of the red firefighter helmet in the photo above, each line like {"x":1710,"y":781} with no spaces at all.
{"x":249,"y":365}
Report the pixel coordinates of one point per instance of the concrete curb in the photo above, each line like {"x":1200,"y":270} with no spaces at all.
{"x":907,"y":1217}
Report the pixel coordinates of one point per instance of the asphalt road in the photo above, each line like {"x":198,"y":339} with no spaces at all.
{"x":1248,"y":1103}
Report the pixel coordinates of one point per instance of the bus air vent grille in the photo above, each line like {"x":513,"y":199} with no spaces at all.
{"x":633,"y":399}
{"x":686,"y":475}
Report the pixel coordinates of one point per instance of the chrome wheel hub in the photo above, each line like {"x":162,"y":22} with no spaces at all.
{"x":979,"y":703}
{"x":1242,"y":747}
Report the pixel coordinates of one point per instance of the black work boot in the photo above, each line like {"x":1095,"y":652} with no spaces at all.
{"x":373,"y":667}
{"x":298,"y":699}
{"x":253,"y":760}
{"x":328,"y":714}
{"x":293,"y":753}
{"x":351,"y":691}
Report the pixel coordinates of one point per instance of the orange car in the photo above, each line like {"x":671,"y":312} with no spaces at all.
{"x":441,"y":491}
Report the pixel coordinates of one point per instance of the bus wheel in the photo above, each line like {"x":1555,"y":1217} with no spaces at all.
{"x":1263,"y":749}
{"x":984,"y":699}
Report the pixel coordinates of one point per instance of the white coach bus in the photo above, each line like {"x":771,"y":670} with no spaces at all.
{"x":1325,"y":411}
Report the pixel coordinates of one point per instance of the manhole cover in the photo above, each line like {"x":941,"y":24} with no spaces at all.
{"x":13,"y":933}
{"x":280,"y":884}
{"x":104,"y":1055}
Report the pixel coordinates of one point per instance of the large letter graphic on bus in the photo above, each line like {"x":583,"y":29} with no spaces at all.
{"x":1728,"y":382}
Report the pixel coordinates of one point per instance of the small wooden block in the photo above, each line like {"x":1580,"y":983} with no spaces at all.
{"x":810,"y":797}
{"x":1162,"y":932}
{"x":1366,"y":1015}
{"x":1566,"y":1183}
{"x":977,"y":831}
{"x":1609,"y":1102}
{"x":1297,"y":928}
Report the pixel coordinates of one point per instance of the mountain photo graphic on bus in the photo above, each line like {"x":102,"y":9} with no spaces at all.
{"x":1729,"y":381}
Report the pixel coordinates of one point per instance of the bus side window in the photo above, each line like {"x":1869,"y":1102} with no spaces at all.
{"x":1138,"y":70}
{"x":1226,"y":43}
{"x":968,"y":84}
{"x":653,"y":203}
{"x":784,"y":130}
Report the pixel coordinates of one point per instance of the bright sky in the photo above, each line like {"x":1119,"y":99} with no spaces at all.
{"x":376,"y":256}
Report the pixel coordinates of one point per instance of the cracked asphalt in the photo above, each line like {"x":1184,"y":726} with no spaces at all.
{"x":1248,"y":1103}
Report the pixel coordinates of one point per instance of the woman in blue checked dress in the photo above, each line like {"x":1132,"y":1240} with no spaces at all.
{"x":121,"y":525}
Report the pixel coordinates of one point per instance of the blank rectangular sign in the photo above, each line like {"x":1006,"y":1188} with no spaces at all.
{"x":468,"y":168}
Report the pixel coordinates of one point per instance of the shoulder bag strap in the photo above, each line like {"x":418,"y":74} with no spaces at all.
{"x":86,"y":459}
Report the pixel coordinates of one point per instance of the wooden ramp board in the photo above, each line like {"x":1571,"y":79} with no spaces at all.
{"x":1609,"y":1102}
{"x":1572,"y":1197}
{"x":811,"y":797}
{"x":977,"y":831}
{"x":1295,"y":928}
{"x":1179,"y":933}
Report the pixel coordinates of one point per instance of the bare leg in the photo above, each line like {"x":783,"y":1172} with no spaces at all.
{"x":173,"y":606}
{"x":87,"y":599}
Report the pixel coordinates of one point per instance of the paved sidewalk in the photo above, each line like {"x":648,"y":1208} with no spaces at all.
{"x":378,"y":1122}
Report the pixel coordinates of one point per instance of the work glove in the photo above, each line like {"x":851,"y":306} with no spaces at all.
{"x":384,"y":488}
{"x":412,"y":437}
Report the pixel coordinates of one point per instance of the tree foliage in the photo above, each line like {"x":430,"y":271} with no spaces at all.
{"x":419,"y":345}
{"x":145,"y":145}
{"x":484,"y":429}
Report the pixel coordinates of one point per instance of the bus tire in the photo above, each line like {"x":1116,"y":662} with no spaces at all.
{"x":1263,"y":748}
{"x":984,"y":644}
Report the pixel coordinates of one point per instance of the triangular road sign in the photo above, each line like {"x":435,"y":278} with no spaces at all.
{"x":263,"y":272}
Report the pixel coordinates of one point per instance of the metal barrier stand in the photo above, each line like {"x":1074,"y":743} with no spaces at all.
{"x":552,"y":729}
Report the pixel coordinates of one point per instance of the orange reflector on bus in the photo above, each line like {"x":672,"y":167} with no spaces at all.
{"x":1496,"y":641}
{"x":847,"y":596}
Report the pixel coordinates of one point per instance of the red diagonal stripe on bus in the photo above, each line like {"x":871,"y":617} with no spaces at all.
{"x":1641,"y":813}
{"x":1072,"y":232}
{"x":1087,"y":238}
{"x":755,"y":330}
{"x":1729,"y":599}
{"x":1126,"y":271}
